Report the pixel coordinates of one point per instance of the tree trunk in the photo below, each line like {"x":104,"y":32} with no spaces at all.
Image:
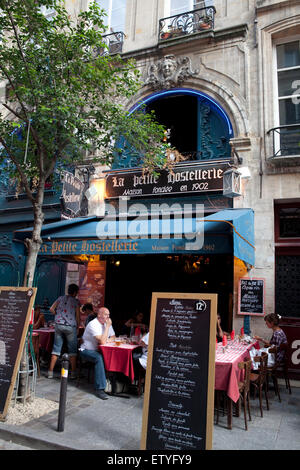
{"x":33,"y":247}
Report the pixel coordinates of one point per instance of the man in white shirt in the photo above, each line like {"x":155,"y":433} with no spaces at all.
{"x":98,"y":331}
{"x":143,"y":359}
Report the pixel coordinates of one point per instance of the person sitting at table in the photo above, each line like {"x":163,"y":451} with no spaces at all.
{"x":219,"y":332}
{"x":98,"y":332}
{"x":88,"y":310}
{"x":67,"y":319}
{"x":144,"y":343}
{"x":136,"y":323}
{"x":278,"y":336}
{"x":140,"y":355}
{"x":39,"y":318}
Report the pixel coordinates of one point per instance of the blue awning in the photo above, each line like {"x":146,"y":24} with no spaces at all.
{"x":227,"y":231}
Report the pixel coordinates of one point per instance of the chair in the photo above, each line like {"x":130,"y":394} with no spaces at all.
{"x":244,"y":388}
{"x":279,"y":368}
{"x":258,"y":380}
{"x":36,"y":349}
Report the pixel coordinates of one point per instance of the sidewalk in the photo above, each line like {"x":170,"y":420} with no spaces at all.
{"x":115,"y":424}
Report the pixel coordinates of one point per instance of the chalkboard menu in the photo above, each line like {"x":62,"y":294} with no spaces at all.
{"x":252,"y":296}
{"x":179,"y":390}
{"x":15,"y":309}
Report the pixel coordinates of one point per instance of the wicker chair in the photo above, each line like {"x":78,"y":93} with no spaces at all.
{"x":279,"y":368}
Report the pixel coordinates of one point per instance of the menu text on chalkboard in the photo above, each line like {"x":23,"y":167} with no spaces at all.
{"x":15,"y":309}
{"x":251,"y":296}
{"x":179,"y":391}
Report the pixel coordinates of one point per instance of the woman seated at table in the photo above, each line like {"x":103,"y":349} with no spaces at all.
{"x":137,"y":323}
{"x":39,"y":319}
{"x":278,"y":336}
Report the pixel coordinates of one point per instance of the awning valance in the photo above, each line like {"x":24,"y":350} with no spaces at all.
{"x":228,"y":231}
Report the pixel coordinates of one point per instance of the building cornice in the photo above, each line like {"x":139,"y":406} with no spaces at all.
{"x":276,"y":6}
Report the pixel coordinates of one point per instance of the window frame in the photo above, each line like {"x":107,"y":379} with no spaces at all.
{"x":108,"y":17}
{"x":278,"y":42}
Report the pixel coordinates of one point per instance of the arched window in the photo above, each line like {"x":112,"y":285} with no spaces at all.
{"x":199,"y":128}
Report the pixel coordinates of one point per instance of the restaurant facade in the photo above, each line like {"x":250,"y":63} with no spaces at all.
{"x":206,"y":71}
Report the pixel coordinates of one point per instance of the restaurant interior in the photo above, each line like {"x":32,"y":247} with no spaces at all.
{"x":131,"y":279}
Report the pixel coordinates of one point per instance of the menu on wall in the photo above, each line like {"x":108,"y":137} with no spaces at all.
{"x":92,"y":284}
{"x":251,"y":296}
{"x":16,"y":304}
{"x":179,"y":391}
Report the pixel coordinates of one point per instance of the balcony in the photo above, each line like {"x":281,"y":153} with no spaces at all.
{"x":114,"y":43}
{"x":188,"y":23}
{"x":286,"y":144}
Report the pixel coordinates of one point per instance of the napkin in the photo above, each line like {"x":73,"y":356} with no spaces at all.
{"x":242,"y":331}
{"x":224,"y":340}
{"x":232,"y":334}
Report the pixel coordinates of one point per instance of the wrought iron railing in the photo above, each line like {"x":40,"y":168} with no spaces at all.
{"x":286,"y":140}
{"x":114,"y":43}
{"x":190,"y":22}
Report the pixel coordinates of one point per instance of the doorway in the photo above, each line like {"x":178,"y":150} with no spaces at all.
{"x":130,"y":281}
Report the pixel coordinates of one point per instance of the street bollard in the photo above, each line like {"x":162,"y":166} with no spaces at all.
{"x":63,"y":392}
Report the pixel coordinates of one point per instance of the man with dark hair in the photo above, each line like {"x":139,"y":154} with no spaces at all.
{"x":67,"y":319}
{"x":88,"y":309}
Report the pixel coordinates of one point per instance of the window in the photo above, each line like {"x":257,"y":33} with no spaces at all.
{"x":180,"y":6}
{"x":288,"y":98}
{"x":116,"y":12}
{"x":288,"y":75}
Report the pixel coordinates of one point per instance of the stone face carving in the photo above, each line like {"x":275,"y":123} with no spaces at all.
{"x":169,"y":72}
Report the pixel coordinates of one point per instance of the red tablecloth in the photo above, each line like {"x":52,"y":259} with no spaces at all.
{"x":46,"y":338}
{"x":227,"y":373}
{"x":119,"y":358}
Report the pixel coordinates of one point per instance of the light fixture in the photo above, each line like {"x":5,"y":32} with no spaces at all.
{"x":95,"y":195}
{"x":232,"y":182}
{"x":117,"y":263}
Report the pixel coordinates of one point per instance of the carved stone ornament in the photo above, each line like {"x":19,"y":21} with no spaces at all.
{"x":169,"y":72}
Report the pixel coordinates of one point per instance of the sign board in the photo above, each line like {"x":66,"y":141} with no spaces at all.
{"x":181,"y":180}
{"x":251,"y":296}
{"x":179,"y":390}
{"x":71,"y":193}
{"x":16,"y":305}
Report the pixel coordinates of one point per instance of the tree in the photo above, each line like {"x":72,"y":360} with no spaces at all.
{"x":64,"y":98}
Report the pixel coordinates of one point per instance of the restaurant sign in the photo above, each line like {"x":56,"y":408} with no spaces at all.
{"x":181,"y":180}
{"x":212,"y":245}
{"x":71,"y":193}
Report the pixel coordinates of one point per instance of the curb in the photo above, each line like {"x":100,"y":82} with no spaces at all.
{"x":30,"y":441}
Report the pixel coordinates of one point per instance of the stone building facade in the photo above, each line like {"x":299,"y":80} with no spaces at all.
{"x":234,"y":68}
{"x":236,"y":63}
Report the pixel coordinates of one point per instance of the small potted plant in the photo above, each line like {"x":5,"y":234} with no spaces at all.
{"x":205,"y":22}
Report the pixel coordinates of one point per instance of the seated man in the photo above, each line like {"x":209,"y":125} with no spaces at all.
{"x":140,"y":355}
{"x":98,"y":331}
{"x":144,"y":342}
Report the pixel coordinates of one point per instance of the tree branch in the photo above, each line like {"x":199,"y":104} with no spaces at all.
{"x":20,"y":171}
{"x":21,"y":51}
{"x":13,"y":87}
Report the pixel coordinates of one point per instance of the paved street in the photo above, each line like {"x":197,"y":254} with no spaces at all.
{"x":279,"y":429}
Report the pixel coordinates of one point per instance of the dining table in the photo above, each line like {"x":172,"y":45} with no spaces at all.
{"x":46,"y":336}
{"x":227,"y":372}
{"x":118,"y":358}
